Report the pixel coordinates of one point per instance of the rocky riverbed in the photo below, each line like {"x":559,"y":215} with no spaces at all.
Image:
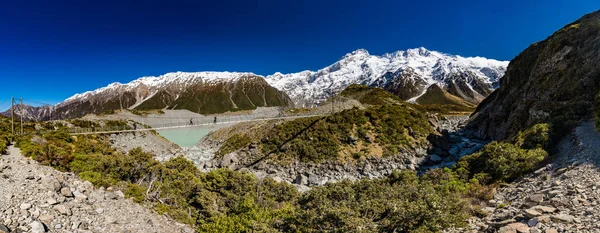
{"x":36,"y":198}
{"x":445,"y":148}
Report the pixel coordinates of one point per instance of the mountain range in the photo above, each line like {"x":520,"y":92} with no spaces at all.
{"x":409,"y":74}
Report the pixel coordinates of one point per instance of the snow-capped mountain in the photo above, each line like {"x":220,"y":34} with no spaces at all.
{"x":407,"y":74}
{"x":202,"y":92}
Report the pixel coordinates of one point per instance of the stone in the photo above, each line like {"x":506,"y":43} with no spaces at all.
{"x":25,"y":206}
{"x":544,"y":219}
{"x":46,"y":218}
{"x":229,"y":160}
{"x":544,"y":209}
{"x":519,"y":227}
{"x":4,"y":229}
{"x":119,"y":194}
{"x":314,"y":180}
{"x":63,"y":209}
{"x":301,"y":179}
{"x":75,"y":225}
{"x":79,"y":196}
{"x":52,"y":201}
{"x":506,"y":229}
{"x":99,"y":210}
{"x":110,"y":220}
{"x":531,"y":213}
{"x":533,"y":222}
{"x":66,"y":192}
{"x":551,"y":230}
{"x":563,"y":218}
{"x":37,"y":227}
{"x":536,"y":198}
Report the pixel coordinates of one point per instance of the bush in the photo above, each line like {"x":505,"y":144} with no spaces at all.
{"x":502,"y":161}
{"x":535,"y":137}
{"x":394,"y":127}
{"x":401,"y":203}
{"x":234,"y":143}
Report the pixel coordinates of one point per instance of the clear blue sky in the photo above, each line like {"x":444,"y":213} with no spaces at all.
{"x":50,"y":50}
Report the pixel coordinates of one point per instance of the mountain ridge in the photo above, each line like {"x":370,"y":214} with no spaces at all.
{"x":407,"y":74}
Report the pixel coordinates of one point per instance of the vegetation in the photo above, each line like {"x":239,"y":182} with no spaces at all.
{"x":402,"y":202}
{"x":553,"y":81}
{"x":387,"y":128}
{"x":369,"y":95}
{"x":438,"y":100}
{"x":234,"y":143}
{"x":230,"y":201}
{"x":504,"y":162}
{"x":247,"y":94}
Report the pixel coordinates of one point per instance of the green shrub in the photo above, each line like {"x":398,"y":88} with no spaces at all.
{"x":135,"y":191}
{"x":234,"y":143}
{"x":401,"y":203}
{"x":535,"y":137}
{"x":502,"y":161}
{"x":395,"y":127}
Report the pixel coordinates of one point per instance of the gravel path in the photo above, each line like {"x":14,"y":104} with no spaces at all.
{"x":37,"y":198}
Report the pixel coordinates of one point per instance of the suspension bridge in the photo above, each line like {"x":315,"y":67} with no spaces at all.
{"x":180,"y":125}
{"x":139,"y":123}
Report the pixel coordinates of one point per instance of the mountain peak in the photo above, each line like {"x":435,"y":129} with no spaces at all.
{"x":420,"y":51}
{"x":360,"y":52}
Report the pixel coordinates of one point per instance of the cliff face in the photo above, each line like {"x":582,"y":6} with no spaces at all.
{"x":553,"y":81}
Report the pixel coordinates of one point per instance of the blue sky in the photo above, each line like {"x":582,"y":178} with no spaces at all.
{"x":50,"y":50}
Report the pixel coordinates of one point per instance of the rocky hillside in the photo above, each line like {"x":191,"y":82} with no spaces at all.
{"x":407,"y":74}
{"x":47,"y":200}
{"x":201,"y":92}
{"x":555,"y":80}
{"x":559,"y":197}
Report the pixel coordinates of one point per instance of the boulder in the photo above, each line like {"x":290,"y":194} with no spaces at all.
{"x":230,"y":160}
{"x":63,"y":209}
{"x":66,"y":192}
{"x":25,"y":206}
{"x":301,"y":179}
{"x":536,"y":198}
{"x":4,"y":229}
{"x":563,"y":218}
{"x":37,"y":227}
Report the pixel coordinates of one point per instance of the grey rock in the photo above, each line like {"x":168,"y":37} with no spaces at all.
{"x":4,"y":229}
{"x":536,"y":198}
{"x":63,"y":209}
{"x":25,"y":206}
{"x":66,"y":192}
{"x":563,"y":218}
{"x":301,"y":179}
{"x":37,"y":227}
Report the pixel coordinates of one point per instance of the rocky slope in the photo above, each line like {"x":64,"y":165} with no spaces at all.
{"x":201,"y":92}
{"x":408,"y":74}
{"x":36,"y":198}
{"x":554,"y":80}
{"x":560,"y":197}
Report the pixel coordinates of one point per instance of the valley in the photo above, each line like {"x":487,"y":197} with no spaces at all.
{"x":408,"y":141}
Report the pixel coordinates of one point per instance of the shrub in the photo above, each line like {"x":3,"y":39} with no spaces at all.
{"x":395,"y":127}
{"x":502,"y":161}
{"x":234,"y":143}
{"x":401,"y":203}
{"x":535,"y":137}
